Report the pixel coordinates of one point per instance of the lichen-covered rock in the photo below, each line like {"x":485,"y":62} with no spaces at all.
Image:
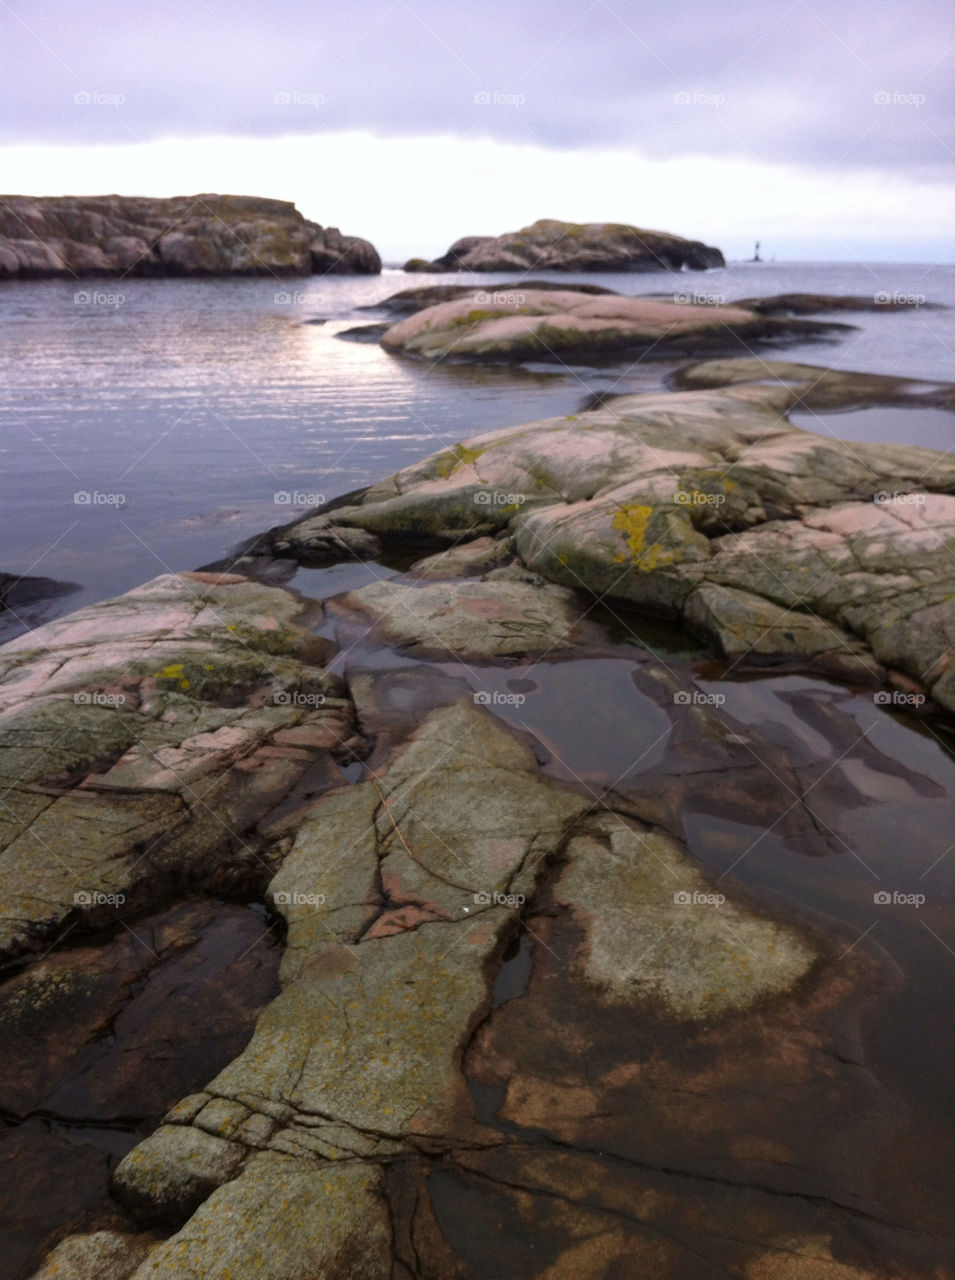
{"x":465,"y":619}
{"x":397,"y":894}
{"x":525,"y":324}
{"x":174,"y":1170}
{"x":399,"y":897}
{"x":745,"y":624}
{"x":479,"y":556}
{"x":288,"y":1219}
{"x":709,"y":505}
{"x":699,"y":955}
{"x":98,"y":1255}
{"x":552,"y":245}
{"x":184,"y":235}
{"x":151,"y":736}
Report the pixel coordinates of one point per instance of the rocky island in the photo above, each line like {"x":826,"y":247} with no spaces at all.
{"x":514,"y":1027}
{"x":202,"y":235}
{"x":551,"y":245}
{"x":513,"y":325}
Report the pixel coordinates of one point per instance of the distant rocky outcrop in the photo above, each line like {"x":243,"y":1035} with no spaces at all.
{"x":203,"y":235}
{"x":550,"y":245}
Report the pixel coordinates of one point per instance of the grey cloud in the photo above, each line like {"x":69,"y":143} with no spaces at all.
{"x":849,"y":83}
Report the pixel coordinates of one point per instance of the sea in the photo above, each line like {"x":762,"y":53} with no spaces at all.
{"x":152,"y":425}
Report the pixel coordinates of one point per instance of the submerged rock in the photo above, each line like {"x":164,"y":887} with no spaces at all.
{"x":800,"y":304}
{"x":202,"y":235}
{"x":529,"y":324}
{"x":816,"y":388}
{"x":552,"y":245}
{"x":98,"y":1041}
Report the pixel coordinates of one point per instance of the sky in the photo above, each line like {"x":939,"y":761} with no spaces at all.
{"x":822,"y":129}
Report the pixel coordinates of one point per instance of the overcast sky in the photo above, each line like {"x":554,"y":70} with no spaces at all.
{"x":822,"y":128}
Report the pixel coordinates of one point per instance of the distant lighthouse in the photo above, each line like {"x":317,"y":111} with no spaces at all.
{"x":756,"y":257}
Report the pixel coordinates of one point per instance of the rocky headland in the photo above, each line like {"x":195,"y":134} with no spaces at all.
{"x":552,"y":245}
{"x":202,"y":235}
{"x":516,"y":1027}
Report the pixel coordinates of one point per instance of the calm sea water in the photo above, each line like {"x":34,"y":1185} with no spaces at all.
{"x":183,"y":407}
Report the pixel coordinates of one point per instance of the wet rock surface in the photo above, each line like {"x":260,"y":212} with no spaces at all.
{"x":98,"y":1040}
{"x":576,"y":914}
{"x":200,"y":235}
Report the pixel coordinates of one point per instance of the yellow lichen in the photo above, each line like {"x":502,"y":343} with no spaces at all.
{"x":633,"y":519}
{"x":460,"y":455}
{"x":174,"y":671}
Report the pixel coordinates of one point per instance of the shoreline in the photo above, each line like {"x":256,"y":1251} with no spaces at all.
{"x":419,"y":778}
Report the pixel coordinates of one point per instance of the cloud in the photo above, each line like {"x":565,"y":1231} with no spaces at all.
{"x":847,"y":84}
